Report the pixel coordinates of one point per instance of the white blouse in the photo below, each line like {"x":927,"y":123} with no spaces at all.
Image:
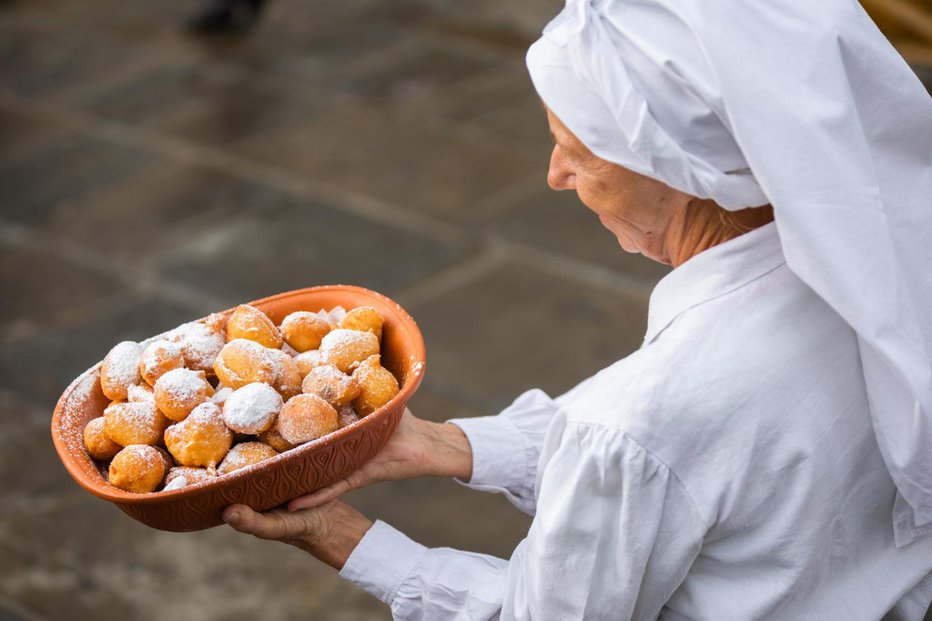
{"x":726,"y":470}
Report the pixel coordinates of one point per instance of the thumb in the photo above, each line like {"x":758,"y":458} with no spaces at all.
{"x":268,"y":525}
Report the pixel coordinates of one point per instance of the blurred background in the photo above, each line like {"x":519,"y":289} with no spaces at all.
{"x":162,"y":160}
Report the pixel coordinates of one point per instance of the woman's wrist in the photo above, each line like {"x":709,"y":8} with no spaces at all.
{"x":345,"y":529}
{"x":449,"y":451}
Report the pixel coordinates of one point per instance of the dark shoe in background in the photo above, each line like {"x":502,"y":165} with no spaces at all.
{"x":225,"y":16}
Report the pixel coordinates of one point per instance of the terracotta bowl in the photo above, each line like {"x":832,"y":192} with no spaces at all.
{"x":275,"y":481}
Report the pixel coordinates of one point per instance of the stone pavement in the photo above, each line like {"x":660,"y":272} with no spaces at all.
{"x":148,"y":178}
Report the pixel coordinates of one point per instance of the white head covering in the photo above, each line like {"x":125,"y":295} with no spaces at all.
{"x":804,"y":105}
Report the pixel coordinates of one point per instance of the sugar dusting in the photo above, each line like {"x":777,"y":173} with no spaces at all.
{"x":200,"y":342}
{"x":72,"y":418}
{"x":176,"y":483}
{"x":252,"y":408}
{"x":182,"y":385}
{"x":156,"y":353}
{"x":138,"y":392}
{"x":122,"y":362}
{"x":222,"y":395}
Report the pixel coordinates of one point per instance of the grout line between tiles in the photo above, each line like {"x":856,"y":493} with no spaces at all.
{"x":353,"y":202}
{"x":450,"y":279}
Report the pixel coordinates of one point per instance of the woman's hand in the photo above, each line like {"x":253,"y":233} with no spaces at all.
{"x":329,"y":532}
{"x":417,"y":448}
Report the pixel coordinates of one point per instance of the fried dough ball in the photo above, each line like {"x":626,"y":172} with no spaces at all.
{"x":275,"y":440}
{"x":365,"y":319}
{"x":248,"y":322}
{"x":140,"y":392}
{"x":182,"y":476}
{"x":166,"y":458}
{"x":179,"y":391}
{"x":303,"y":330}
{"x":201,"y":342}
{"x":344,"y":348}
{"x":307,"y":360}
{"x":377,"y":383}
{"x":332,"y":385}
{"x":201,"y":439}
{"x":242,"y":362}
{"x":120,"y":370}
{"x":252,"y":409}
{"x":245,"y":454}
{"x":134,"y":422}
{"x":346,"y":415}
{"x":288,"y":382}
{"x":137,"y":468}
{"x":305,"y":418}
{"x":158,"y":358}
{"x":221,"y":394}
{"x":97,"y":442}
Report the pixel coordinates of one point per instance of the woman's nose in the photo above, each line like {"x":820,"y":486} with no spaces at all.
{"x":560,"y":176}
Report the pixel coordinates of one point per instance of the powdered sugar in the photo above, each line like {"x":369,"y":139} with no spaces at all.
{"x":122,"y":363}
{"x":138,"y":392}
{"x":206,"y":413}
{"x":181,"y":384}
{"x":222,"y":395}
{"x":200,"y":343}
{"x":340,"y":338}
{"x":176,"y":483}
{"x":157,"y":354}
{"x":252,"y":408}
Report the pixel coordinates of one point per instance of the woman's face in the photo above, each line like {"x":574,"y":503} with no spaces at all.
{"x":637,"y":209}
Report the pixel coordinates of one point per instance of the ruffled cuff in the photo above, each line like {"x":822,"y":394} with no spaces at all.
{"x":382,"y":560}
{"x":501,"y":455}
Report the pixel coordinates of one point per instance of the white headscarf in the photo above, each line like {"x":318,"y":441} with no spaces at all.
{"x":803,"y":105}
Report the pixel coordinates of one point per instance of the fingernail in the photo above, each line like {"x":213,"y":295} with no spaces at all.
{"x":232,"y":516}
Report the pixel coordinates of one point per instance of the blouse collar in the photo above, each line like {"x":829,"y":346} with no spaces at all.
{"x":712,"y":273}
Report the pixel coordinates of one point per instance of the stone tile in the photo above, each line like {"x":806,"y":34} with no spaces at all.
{"x":126,"y":20}
{"x":409,"y":165}
{"x":152,"y":213}
{"x":104,"y":565}
{"x":19,"y":134}
{"x":39,"y":367}
{"x":296,"y":243}
{"x":216,"y":103}
{"x":43,"y":288}
{"x":557,"y":222}
{"x":500,"y":102}
{"x":30,"y":475}
{"x":294,"y":40}
{"x":54,"y":60}
{"x":10,"y":611}
{"x":62,"y":171}
{"x":520,"y":328}
{"x":438,"y":408}
{"x":527,"y":17}
{"x":424,"y":68}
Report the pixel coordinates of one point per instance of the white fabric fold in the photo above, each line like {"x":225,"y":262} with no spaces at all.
{"x":806,"y":107}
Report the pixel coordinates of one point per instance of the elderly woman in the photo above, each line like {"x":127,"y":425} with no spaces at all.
{"x":763,"y":455}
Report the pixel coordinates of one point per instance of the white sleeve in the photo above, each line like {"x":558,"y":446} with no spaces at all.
{"x":614,"y":536}
{"x":506,"y":448}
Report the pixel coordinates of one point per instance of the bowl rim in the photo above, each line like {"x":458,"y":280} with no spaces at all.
{"x":104,"y":490}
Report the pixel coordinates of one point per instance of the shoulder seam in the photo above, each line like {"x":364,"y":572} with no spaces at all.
{"x":624,"y":434}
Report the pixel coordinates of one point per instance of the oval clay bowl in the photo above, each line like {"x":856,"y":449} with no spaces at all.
{"x":277,"y":480}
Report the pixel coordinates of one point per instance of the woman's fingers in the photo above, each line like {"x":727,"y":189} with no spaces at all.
{"x":321,"y":496}
{"x":269,"y":525}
